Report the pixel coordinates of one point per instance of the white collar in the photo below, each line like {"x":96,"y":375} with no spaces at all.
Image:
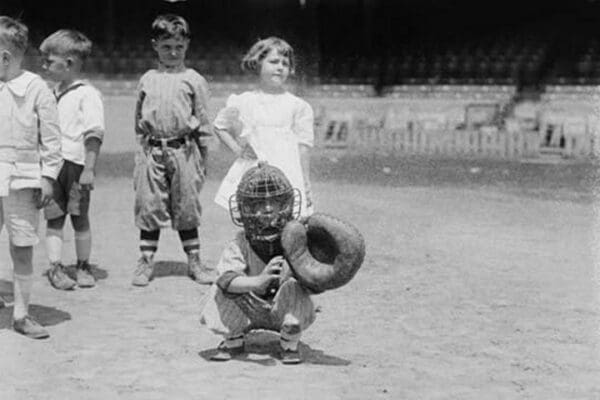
{"x":74,"y":83}
{"x":19,"y":84}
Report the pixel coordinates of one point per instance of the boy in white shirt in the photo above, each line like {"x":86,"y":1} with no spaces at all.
{"x":81,"y":116}
{"x":29,"y":162}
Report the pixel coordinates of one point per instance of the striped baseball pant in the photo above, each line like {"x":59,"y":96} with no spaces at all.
{"x":290,"y":312}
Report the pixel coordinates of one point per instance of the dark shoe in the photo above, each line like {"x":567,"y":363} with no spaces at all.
{"x":144,"y":271}
{"x":85,"y":278}
{"x":226,"y":353}
{"x":29,"y":327}
{"x":290,"y":357}
{"x":57,"y":275}
{"x":198,"y":271}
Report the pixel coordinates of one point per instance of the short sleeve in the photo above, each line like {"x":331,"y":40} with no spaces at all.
{"x":304,"y":124}
{"x":232,"y":259}
{"x":220,"y":121}
{"x":93,"y":114}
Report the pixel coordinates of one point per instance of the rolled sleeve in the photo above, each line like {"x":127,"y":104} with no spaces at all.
{"x":93,"y":115}
{"x":49,"y":132}
{"x":304,"y":124}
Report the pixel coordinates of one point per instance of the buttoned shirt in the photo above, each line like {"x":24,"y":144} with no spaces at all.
{"x":29,"y":132}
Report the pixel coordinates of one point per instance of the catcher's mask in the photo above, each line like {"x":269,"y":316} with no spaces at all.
{"x":264,"y":202}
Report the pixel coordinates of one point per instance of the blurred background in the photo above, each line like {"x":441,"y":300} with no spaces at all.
{"x":423,"y":69}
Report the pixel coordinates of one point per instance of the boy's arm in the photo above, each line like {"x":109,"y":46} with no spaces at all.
{"x":139,"y":132}
{"x":93,"y":114}
{"x":204,"y":132}
{"x":92,"y":149}
{"x":49,"y":140}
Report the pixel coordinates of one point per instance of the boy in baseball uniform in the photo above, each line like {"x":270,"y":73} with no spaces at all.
{"x":173,"y":130}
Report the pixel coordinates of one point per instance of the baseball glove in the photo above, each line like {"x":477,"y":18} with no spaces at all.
{"x":324,"y":252}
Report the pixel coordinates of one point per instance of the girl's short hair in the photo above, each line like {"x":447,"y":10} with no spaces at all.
{"x":169,"y":26}
{"x":13,"y":34}
{"x":253,"y":58}
{"x":67,"y":42}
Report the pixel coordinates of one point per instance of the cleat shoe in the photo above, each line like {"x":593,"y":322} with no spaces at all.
{"x":57,"y":275}
{"x":226,"y":353}
{"x":85,"y":278}
{"x":290,"y":357}
{"x":31,"y":328}
{"x":198,"y":271}
{"x":144,"y":271}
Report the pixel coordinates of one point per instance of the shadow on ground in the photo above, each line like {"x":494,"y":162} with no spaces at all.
{"x":47,"y":316}
{"x":262,"y":347}
{"x":99,"y":273}
{"x":170,"y":268}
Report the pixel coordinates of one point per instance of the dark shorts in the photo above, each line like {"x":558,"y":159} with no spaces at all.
{"x":68,"y":198}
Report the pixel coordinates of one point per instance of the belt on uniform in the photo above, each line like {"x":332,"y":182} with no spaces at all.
{"x":163,"y":142}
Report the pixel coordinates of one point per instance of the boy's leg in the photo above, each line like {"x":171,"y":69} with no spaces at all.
{"x":55,"y":212}
{"x":222,"y":316}
{"x":22,"y":257}
{"x":143,"y":273}
{"x":57,"y":274}
{"x":187,"y":180}
{"x":196,"y":268}
{"x":294,"y":308}
{"x":21,"y":216}
{"x":83,"y":248}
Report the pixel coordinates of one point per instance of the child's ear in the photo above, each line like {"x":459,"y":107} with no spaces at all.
{"x":5,"y":57}
{"x":70,"y":62}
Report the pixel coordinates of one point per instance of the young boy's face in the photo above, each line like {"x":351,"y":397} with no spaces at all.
{"x":171,"y":51}
{"x":56,"y":67}
{"x":7,"y":60}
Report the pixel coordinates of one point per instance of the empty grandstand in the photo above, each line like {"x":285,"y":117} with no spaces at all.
{"x":432,"y":70}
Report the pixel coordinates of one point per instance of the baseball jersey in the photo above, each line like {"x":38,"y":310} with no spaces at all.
{"x":81,"y":116}
{"x":173,"y":104}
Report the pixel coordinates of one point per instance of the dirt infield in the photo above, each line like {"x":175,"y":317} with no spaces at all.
{"x":466,"y":293}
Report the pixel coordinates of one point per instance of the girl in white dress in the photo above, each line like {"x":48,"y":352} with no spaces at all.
{"x":268,"y":123}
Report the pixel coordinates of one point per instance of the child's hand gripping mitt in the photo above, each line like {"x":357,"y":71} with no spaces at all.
{"x":324,"y":252}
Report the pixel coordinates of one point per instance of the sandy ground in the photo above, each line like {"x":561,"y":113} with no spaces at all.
{"x":464,"y":294}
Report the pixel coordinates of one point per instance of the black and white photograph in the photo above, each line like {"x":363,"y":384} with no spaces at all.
{"x":299,"y":199}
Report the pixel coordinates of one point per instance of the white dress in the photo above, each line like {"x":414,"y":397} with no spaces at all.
{"x":274,"y":125}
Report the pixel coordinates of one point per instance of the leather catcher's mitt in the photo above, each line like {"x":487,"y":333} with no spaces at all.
{"x":324,"y":252}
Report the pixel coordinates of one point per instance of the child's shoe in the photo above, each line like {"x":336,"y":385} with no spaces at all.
{"x":290,"y":357}
{"x":85,"y":278}
{"x":225,"y":353}
{"x":198,"y":271}
{"x":144,"y":271}
{"x":57,"y":275}
{"x":29,"y":327}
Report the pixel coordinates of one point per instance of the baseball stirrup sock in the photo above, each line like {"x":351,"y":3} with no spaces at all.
{"x":149,"y":241}
{"x":54,"y":242}
{"x":22,"y":289}
{"x":83,"y":245}
{"x":189,"y":240}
